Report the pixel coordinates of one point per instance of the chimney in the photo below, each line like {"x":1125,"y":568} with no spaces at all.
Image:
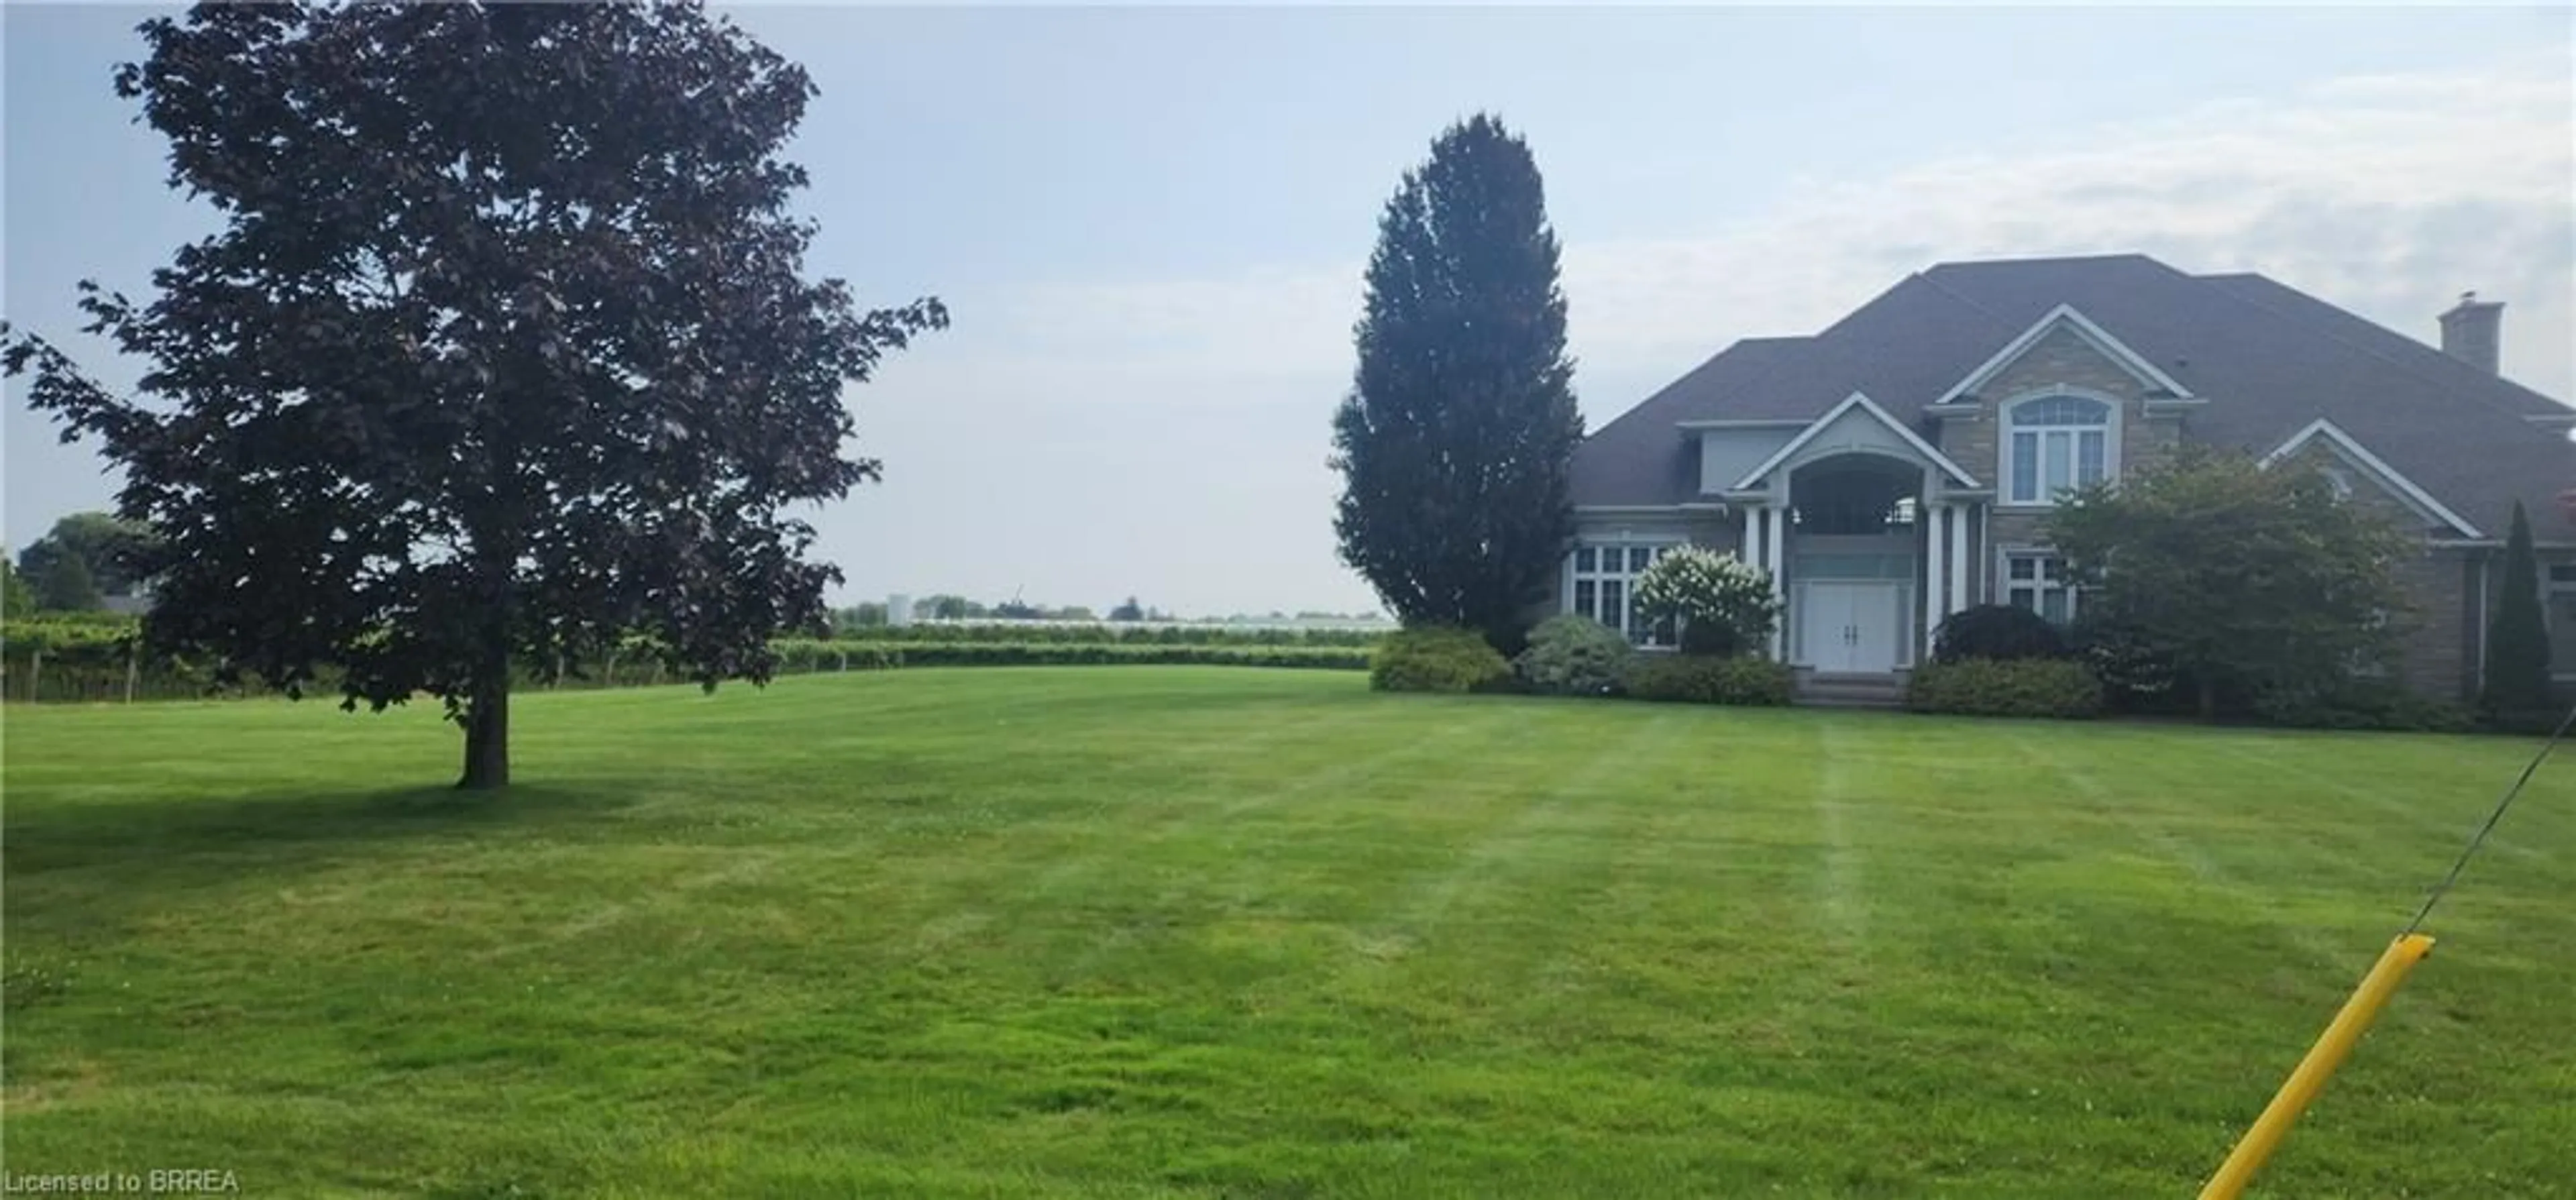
{"x":2474,"y":332}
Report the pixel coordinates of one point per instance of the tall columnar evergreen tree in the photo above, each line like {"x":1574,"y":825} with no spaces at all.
{"x":1455,"y":440}
{"x":504,"y":349}
{"x":2517,"y":666}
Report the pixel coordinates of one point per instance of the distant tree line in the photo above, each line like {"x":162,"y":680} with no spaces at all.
{"x":88,"y":562}
{"x":948,"y":606}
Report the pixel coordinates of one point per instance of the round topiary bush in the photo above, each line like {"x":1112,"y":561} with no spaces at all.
{"x":2001,"y":632}
{"x":1436,"y":659}
{"x":1573,"y":655}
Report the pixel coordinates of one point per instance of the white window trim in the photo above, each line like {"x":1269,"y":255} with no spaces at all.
{"x":2004,"y":583}
{"x":2004,"y":433}
{"x":1627,"y":578}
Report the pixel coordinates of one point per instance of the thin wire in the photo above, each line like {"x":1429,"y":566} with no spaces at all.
{"x":2443,"y":888}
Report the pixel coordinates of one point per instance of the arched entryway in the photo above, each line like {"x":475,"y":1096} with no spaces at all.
{"x":1854,"y":563}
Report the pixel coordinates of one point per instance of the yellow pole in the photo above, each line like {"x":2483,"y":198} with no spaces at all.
{"x":2309,"y":1078}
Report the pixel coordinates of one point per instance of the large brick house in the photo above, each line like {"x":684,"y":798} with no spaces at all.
{"x":1894,"y":468}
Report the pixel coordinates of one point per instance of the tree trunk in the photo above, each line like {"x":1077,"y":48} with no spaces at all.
{"x":2208,"y":700}
{"x":487,"y":716}
{"x":487,"y":738}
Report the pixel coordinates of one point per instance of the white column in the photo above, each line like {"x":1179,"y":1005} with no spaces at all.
{"x":1936,"y":589}
{"x":1744,"y":547}
{"x":1777,"y":557}
{"x":1962,"y":558}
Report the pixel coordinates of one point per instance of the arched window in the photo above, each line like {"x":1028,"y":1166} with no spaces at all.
{"x":2057,"y":443}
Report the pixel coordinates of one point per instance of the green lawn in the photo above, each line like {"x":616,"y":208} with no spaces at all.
{"x":1180,"y":931}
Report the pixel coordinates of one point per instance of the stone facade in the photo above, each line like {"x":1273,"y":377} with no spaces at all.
{"x":2439,"y":643}
{"x":2440,"y":649}
{"x":2060,"y":361}
{"x":2450,"y":587}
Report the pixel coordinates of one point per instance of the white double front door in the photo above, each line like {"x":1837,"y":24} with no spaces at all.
{"x":1848,"y":627}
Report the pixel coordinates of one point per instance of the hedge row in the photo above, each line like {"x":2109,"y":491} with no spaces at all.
{"x":800,"y":657}
{"x":101,"y":670}
{"x":1108,"y":633}
{"x":2021,"y":687}
{"x":51,"y":631}
{"x":67,"y":633}
{"x":1708,"y":679}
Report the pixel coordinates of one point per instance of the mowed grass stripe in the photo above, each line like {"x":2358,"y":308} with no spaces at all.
{"x":1178,"y":931}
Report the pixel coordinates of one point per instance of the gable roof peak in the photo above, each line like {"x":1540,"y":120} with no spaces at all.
{"x":2352,"y":451}
{"x":1857,"y":400}
{"x":2067,"y":316}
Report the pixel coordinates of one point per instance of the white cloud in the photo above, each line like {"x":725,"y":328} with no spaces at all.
{"x":2386,"y":195}
{"x":1109,"y":416}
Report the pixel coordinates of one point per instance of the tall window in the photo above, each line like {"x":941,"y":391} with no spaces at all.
{"x":2036,"y":580}
{"x":1605,"y":589}
{"x":2054,"y":444}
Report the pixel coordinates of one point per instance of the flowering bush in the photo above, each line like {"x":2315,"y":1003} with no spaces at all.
{"x":1724,"y":604}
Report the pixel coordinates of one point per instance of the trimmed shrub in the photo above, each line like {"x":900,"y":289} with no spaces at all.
{"x":1985,"y":687}
{"x":2360,"y":704}
{"x":2536,"y":722}
{"x":1573,"y":655}
{"x":1436,"y":659}
{"x":2137,"y":675}
{"x":1708,"y":679}
{"x":2002,"y":632}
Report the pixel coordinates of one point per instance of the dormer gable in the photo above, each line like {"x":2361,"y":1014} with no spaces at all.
{"x":2062,"y":329}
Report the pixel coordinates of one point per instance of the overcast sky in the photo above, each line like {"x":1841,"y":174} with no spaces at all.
{"x":1149,"y":223}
